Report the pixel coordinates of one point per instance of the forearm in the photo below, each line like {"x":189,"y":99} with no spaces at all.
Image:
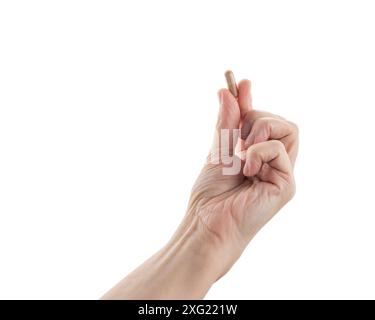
{"x":183,"y":269}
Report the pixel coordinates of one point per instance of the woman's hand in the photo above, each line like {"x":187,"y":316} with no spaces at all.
{"x":234,"y":196}
{"x":231,"y":208}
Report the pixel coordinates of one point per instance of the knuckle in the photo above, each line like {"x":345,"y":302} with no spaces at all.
{"x":262,"y":127}
{"x":263,"y":122}
{"x":277,"y":144}
{"x":294,"y":127}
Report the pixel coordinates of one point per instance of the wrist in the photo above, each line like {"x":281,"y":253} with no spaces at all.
{"x":189,"y":261}
{"x":183,"y":269}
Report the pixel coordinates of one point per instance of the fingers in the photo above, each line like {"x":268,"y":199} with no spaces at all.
{"x":244,"y":96}
{"x":229,"y":112}
{"x":232,"y":109}
{"x":250,"y":117}
{"x":226,"y":134}
{"x":259,"y":126}
{"x":256,"y":126}
{"x":264,"y":129}
{"x":269,"y":162}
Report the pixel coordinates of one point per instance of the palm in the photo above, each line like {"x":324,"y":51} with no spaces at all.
{"x":232,"y":206}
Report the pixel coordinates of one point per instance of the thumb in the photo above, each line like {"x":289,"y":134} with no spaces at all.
{"x":228,"y":121}
{"x":229,"y":112}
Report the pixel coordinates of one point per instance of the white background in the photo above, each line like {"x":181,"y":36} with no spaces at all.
{"x":107,"y":110}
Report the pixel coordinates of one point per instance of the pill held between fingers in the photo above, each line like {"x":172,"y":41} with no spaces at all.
{"x":231,"y":82}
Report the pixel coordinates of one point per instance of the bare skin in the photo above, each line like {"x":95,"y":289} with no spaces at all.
{"x":225,"y":211}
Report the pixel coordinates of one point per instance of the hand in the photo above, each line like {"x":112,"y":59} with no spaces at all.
{"x":232,"y":208}
{"x":225,"y":211}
